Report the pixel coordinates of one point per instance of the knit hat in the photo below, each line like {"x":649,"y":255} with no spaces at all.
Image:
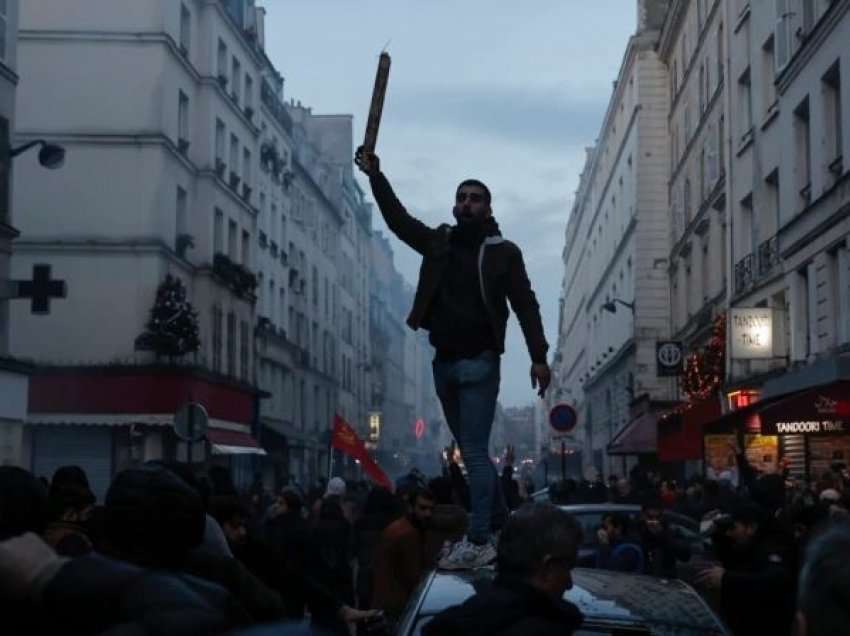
{"x":336,"y":487}
{"x":831,"y":495}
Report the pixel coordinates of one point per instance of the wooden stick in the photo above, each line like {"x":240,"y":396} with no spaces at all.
{"x":377,"y":106}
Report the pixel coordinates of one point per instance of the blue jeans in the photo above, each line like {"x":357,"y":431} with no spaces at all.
{"x":468,"y":389}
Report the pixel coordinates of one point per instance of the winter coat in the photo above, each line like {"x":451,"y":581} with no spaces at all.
{"x":507,"y":608}
{"x":501,"y":272}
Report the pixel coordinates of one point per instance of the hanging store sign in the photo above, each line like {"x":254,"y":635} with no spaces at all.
{"x":752,"y":333}
{"x":669,"y":357}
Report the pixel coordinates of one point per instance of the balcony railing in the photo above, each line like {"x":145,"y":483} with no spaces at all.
{"x":768,"y":256}
{"x":744,"y":273}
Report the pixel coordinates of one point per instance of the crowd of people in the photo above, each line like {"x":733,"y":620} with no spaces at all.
{"x":174,"y":551}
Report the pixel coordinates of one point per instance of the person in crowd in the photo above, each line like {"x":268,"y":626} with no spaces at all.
{"x":449,"y":521}
{"x":755,"y":580}
{"x":402,"y":557}
{"x":510,"y":488}
{"x":662,"y":548}
{"x":70,"y":506}
{"x":42,"y":592}
{"x":537,"y":550}
{"x":618,"y":550}
{"x":823,"y":591}
{"x":380,"y":509}
{"x":623,"y":492}
{"x":329,"y":557}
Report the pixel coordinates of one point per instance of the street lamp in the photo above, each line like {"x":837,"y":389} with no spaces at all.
{"x":611,"y":306}
{"x":51,"y":156}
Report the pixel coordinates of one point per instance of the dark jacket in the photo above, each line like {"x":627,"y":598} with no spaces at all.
{"x":91,"y":594}
{"x":757,"y":591}
{"x":507,"y":608}
{"x":661,"y":551}
{"x":502,"y":275}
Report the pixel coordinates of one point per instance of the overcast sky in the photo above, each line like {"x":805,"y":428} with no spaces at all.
{"x":506,"y":92}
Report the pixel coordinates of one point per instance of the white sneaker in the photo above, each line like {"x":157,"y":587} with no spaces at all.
{"x":465,"y":555}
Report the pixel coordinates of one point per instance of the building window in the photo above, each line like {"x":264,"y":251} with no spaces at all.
{"x":270,"y":309}
{"x":719,"y":46}
{"x":185,"y":29}
{"x":236,"y":80}
{"x":315,"y":286}
{"x":832,"y":118}
{"x":183,"y":121}
{"x":222,"y":61}
{"x":282,"y":305}
{"x":745,"y":100}
{"x":182,"y":221}
{"x":234,"y":154}
{"x":782,"y":33}
{"x":246,"y":167}
{"x":231,"y":344}
{"x":4,"y":25}
{"x":217,"y":319}
{"x":244,"y":349}
{"x":232,"y":237}
{"x":218,"y":232}
{"x":803,"y":154}
{"x":768,"y":72}
{"x":283,"y":231}
{"x":219,"y":143}
{"x":246,"y":248}
{"x":249,"y":92}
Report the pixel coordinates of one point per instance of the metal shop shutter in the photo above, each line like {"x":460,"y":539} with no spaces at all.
{"x":89,"y":447}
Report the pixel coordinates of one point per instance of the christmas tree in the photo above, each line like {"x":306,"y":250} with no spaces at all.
{"x":173,"y":326}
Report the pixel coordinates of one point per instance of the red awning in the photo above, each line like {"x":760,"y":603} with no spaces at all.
{"x":680,"y":434}
{"x":233,"y":443}
{"x":638,"y":437}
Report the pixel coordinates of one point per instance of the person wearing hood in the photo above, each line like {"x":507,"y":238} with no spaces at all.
{"x":538,"y":548}
{"x":468,"y":275}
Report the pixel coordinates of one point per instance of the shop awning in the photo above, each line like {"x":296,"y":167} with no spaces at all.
{"x":638,"y":437}
{"x":233,"y":443}
{"x":680,"y":433}
{"x":822,"y":410}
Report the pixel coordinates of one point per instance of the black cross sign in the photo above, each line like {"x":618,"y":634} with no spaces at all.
{"x":41,"y":289}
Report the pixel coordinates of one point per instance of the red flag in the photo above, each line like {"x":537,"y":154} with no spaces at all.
{"x":345,"y":439}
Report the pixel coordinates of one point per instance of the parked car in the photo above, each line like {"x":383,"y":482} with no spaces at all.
{"x":612,"y":603}
{"x":590,"y":518}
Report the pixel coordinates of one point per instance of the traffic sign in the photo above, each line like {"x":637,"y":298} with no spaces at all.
{"x":191,"y":422}
{"x":563,"y":418}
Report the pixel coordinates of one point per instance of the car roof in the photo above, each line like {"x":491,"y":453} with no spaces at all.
{"x":602,"y":596}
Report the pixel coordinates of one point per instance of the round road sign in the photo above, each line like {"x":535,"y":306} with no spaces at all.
{"x":563,"y":418}
{"x":191,"y":422}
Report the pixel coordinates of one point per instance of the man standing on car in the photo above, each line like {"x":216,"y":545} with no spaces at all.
{"x":468,"y":274}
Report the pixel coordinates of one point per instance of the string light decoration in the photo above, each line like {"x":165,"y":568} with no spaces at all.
{"x":704,"y":369}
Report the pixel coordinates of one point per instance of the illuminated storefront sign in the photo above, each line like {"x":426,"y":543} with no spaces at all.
{"x":374,"y":427}
{"x":752,"y":333}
